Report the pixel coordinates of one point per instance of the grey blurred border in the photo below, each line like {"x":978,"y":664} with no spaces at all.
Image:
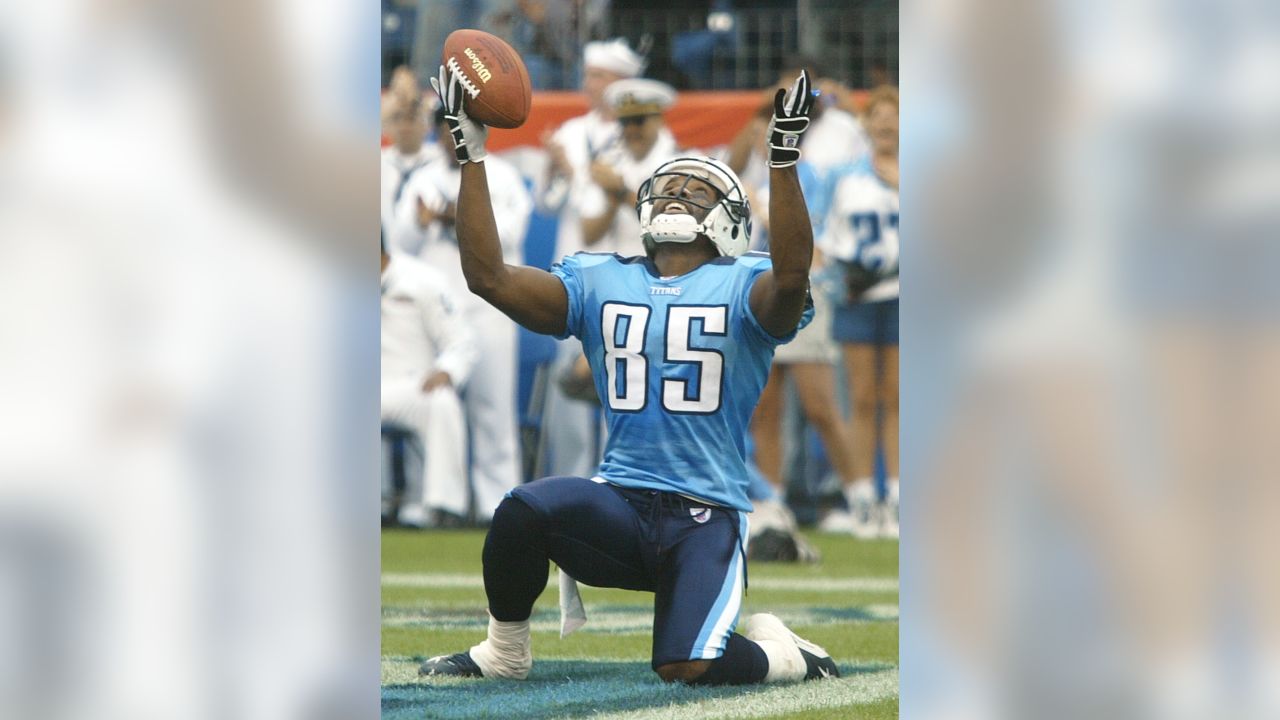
{"x":188,"y":360}
{"x":1089,"y":349}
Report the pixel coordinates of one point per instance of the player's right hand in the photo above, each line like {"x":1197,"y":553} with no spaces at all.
{"x":468,"y":135}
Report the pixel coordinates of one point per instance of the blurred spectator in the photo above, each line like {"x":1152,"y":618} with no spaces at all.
{"x":609,"y":221}
{"x":404,"y":85}
{"x":575,"y":145}
{"x":427,"y":353}
{"x":571,"y":441}
{"x":425,"y":228}
{"x":880,"y":74}
{"x":861,"y":232}
{"x":404,"y":122}
{"x":808,"y":360}
{"x":549,"y":35}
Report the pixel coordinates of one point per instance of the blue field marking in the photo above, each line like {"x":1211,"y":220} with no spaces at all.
{"x":581,"y":689}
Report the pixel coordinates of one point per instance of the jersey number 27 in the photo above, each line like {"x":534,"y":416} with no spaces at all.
{"x":625,"y":331}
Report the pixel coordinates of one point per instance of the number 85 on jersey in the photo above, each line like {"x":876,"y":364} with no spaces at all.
{"x":696,"y":384}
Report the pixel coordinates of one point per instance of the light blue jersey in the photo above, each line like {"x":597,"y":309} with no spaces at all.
{"x":679,"y":365}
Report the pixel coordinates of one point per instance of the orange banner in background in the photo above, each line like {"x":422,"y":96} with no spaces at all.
{"x":698,"y":119}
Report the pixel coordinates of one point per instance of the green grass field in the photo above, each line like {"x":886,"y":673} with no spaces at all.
{"x":433,"y":603}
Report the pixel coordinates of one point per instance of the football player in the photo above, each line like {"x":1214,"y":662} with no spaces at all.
{"x":679,"y":341}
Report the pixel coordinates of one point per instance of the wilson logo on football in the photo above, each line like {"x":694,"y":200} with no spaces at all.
{"x":477,"y":64}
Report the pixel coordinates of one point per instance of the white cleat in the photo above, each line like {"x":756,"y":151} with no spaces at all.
{"x":839,"y":521}
{"x":814,"y":663}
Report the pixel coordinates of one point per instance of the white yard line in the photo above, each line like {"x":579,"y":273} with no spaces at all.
{"x":833,"y":585}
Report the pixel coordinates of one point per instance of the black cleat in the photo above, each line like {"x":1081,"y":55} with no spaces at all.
{"x":460,"y":665}
{"x":819,"y":667}
{"x":774,"y":545}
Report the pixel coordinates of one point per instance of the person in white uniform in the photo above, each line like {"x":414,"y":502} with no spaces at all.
{"x":427,"y":354}
{"x":607,"y":207}
{"x":571,"y":445}
{"x":573,"y":146}
{"x":424,"y":221}
{"x":404,"y":121}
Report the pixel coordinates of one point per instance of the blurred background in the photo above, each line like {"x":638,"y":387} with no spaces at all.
{"x":698,"y":45}
{"x":1089,"y":349}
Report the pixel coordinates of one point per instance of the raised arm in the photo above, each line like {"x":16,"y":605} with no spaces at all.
{"x":778,"y":296}
{"x":534,"y":298}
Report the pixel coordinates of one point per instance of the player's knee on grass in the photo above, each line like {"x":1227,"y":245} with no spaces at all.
{"x":743,"y":663}
{"x":685,"y":672}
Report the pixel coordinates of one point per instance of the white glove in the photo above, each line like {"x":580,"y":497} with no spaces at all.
{"x":468,"y":135}
{"x":790,"y":120}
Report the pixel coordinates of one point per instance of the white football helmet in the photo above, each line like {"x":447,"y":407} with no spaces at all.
{"x":728,"y":221}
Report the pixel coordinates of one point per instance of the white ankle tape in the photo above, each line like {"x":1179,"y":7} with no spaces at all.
{"x":507,"y":652}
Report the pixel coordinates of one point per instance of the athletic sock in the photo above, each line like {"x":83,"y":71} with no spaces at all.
{"x":743,"y":662}
{"x":507,"y":652}
{"x":515,"y":561}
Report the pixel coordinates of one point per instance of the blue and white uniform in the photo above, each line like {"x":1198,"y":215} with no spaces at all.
{"x":679,"y":365}
{"x":861,"y":228}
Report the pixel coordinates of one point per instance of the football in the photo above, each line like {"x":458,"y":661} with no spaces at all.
{"x":494,"y":77}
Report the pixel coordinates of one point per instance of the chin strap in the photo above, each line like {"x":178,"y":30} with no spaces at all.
{"x":679,"y":228}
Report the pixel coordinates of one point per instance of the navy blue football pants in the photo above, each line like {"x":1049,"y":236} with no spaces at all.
{"x":689,"y":554}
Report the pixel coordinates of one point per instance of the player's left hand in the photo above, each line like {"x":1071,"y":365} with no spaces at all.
{"x":790,"y":120}
{"x":468,"y":135}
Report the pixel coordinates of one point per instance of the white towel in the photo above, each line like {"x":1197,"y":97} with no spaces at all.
{"x":572,"y":614}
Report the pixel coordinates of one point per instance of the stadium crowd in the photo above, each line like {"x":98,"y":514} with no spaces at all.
{"x":472,"y":406}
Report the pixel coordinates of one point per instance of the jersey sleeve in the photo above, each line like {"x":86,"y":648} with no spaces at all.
{"x":569,"y":270}
{"x":753,"y":266}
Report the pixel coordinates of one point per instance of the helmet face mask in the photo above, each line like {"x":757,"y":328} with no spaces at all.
{"x":726,"y":220}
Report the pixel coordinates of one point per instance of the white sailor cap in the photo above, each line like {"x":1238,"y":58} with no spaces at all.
{"x":615,"y":56}
{"x":638,"y":97}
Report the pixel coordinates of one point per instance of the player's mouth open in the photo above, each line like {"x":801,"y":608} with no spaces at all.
{"x":675,"y":208}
